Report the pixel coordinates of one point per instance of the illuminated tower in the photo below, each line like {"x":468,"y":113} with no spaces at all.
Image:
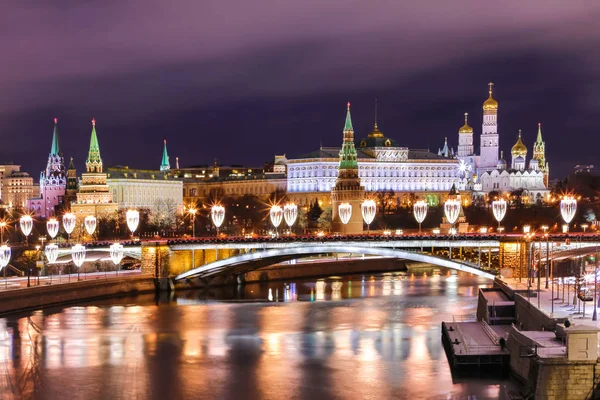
{"x":94,"y":196}
{"x":465,"y":139}
{"x":347,"y":187}
{"x":489,"y":133}
{"x":164,"y":165}
{"x":53,"y":182}
{"x":539,"y":153}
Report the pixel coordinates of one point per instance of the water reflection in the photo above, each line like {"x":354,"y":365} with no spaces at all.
{"x":385,"y":344}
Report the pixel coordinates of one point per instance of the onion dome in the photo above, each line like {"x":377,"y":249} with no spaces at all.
{"x":519,"y":149}
{"x":501,"y":162}
{"x":466,"y":128}
{"x":491,"y":103}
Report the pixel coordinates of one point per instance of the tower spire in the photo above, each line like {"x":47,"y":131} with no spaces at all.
{"x":164,"y":165}
{"x":55,"y":148}
{"x":94,"y":161}
{"x":348,"y":125}
{"x":375,"y":113}
{"x":539,"y":135}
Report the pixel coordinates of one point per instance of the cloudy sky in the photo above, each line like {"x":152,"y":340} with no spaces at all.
{"x":241,"y":81}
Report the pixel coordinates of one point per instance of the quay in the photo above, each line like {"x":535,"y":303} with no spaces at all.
{"x":543,"y":340}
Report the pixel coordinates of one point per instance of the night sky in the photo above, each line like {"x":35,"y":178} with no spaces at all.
{"x":241,"y":81}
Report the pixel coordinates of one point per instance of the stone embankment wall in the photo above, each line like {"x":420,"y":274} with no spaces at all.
{"x":66,"y":293}
{"x":561,"y":379}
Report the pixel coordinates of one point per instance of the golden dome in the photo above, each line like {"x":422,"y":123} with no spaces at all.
{"x":376,"y":132}
{"x":465,"y":128}
{"x":519,"y":149}
{"x":490,"y":103}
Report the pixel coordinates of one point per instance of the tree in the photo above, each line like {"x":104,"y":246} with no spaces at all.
{"x":324,"y":221}
{"x":314,"y":212}
{"x":163,"y":216}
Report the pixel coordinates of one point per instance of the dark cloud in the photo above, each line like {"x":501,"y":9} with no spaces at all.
{"x":241,"y":81}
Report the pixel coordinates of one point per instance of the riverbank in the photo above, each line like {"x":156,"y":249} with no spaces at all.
{"x":37,"y":297}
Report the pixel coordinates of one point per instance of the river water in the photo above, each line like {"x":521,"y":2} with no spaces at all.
{"x":376,"y":337}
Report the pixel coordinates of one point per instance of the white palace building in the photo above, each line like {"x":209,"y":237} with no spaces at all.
{"x":386,"y":166}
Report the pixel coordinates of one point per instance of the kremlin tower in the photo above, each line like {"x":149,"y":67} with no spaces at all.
{"x":53,"y":182}
{"x":489,"y":134}
{"x":164,"y":165}
{"x":94,"y":196}
{"x":347,"y":187}
{"x":539,"y":154}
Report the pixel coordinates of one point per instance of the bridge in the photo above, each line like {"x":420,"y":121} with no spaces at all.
{"x":484,"y":255}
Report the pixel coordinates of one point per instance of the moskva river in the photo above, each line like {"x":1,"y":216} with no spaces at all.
{"x":357,"y":337}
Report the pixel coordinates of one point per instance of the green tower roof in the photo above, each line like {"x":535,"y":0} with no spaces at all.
{"x":55,"y":149}
{"x":348,"y":124}
{"x":94,"y":161}
{"x":539,"y":135}
{"x":164,"y":165}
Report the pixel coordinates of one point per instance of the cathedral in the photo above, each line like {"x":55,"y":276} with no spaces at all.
{"x":53,"y":181}
{"x":488,"y":171}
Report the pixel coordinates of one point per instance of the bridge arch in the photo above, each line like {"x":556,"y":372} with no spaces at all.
{"x":220,"y":266}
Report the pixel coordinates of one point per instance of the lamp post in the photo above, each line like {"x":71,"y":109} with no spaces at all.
{"x":451,"y":211}
{"x":4,"y":259}
{"x":345,"y":212}
{"x":38,"y":256}
{"x":192,"y":211}
{"x":26,"y":223}
{"x":290,"y":213}
{"x":420,"y":212}
{"x":595,"y":314}
{"x":133,"y":220}
{"x":2,"y":226}
{"x":69,"y":222}
{"x":568,"y":207}
{"x":276,"y":215}
{"x":368,"y":209}
{"x":51,"y":252}
{"x":217,"y":214}
{"x":78,"y":255}
{"x":499,"y":210}
{"x":90,"y":225}
{"x":116,"y":255}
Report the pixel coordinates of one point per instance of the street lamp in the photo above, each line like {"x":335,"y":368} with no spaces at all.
{"x":345,"y":211}
{"x":26,"y":223}
{"x":69,"y":221}
{"x":90,"y":224}
{"x":276,"y":214}
{"x":452,"y":210}
{"x":4,"y":259}
{"x":133,"y":220}
{"x":78,"y":255}
{"x":116,"y":254}
{"x":290,"y":213}
{"x":192,"y":211}
{"x":217,"y":214}
{"x":51,"y":253}
{"x":52,"y":227}
{"x":499,"y":210}
{"x":368,"y":209}
{"x":568,"y":206}
{"x":2,"y":226}
{"x":420,"y":212}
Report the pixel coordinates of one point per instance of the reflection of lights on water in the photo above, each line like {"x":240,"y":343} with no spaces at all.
{"x":397,"y":285}
{"x":320,"y":290}
{"x":387,"y":286}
